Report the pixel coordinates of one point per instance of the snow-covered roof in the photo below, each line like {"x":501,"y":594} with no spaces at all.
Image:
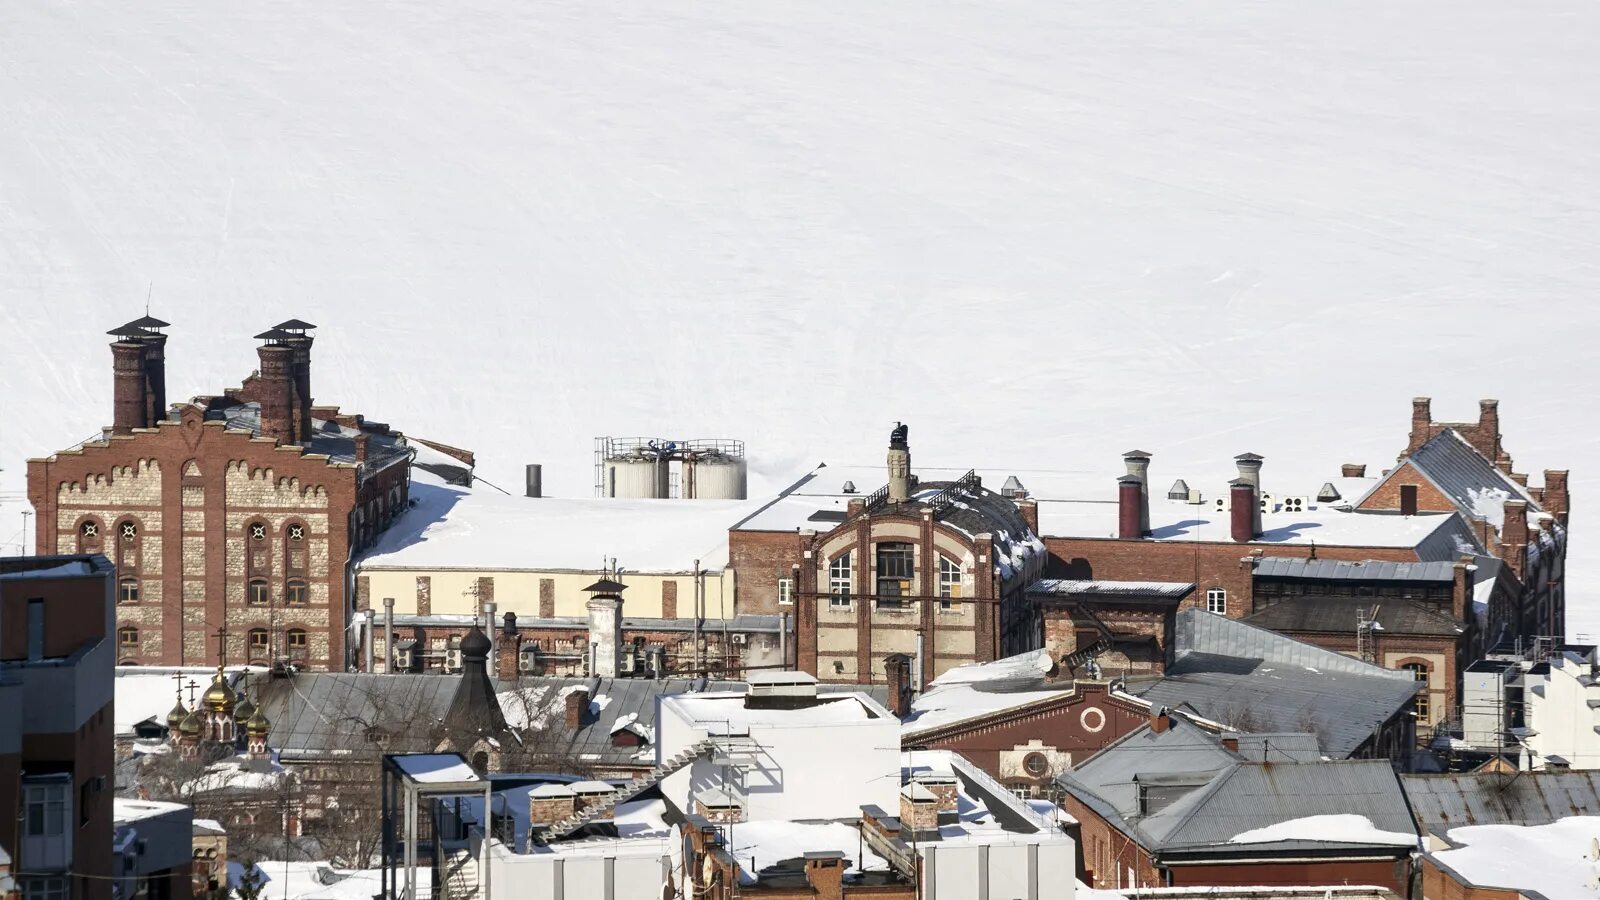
{"x":1172,"y":520}
{"x":453,"y":527}
{"x":436,"y":768}
{"x":727,"y":711}
{"x":1343,"y":828}
{"x":149,"y":692}
{"x":124,"y":810}
{"x":1555,"y":859}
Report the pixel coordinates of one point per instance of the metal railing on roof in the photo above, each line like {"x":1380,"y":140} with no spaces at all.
{"x":947,"y":496}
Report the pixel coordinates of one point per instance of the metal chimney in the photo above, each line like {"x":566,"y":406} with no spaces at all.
{"x":535,"y":480}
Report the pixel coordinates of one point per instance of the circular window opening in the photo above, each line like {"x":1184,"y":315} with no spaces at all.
{"x":1036,"y":764}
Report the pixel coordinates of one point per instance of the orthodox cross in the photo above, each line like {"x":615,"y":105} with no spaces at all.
{"x":222,"y":646}
{"x":178,"y":677}
{"x":192,"y":686}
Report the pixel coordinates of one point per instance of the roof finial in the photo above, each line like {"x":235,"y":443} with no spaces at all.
{"x":147,"y":292}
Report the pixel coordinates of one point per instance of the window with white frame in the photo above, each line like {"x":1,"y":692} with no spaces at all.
{"x":785,"y":591}
{"x":1217,"y":601}
{"x":949,"y":584}
{"x":841,"y":575}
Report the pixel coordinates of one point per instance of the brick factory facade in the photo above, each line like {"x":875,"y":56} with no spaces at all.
{"x":934,"y":570}
{"x":240,"y":511}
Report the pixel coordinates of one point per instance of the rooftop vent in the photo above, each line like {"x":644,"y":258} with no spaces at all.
{"x":1328,"y":494}
{"x":1013,"y":488}
{"x":850,"y":487}
{"x":781,"y":689}
{"x":1178,"y":491}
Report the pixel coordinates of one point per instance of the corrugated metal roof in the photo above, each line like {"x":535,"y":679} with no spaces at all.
{"x":1238,"y":796}
{"x":1441,"y":802}
{"x":1059,"y":587}
{"x":1460,"y":471}
{"x":1338,"y":615}
{"x":1259,"y":681}
{"x":1365,"y":570}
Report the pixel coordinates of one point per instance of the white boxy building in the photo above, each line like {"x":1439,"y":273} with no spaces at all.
{"x":770,"y":790}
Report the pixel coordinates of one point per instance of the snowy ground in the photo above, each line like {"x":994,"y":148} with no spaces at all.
{"x":1193,"y":229}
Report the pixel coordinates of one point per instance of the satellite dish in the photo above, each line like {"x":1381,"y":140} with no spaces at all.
{"x":708,"y":870}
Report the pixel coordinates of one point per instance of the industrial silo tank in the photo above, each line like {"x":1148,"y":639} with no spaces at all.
{"x":719,"y":478}
{"x":636,"y":477}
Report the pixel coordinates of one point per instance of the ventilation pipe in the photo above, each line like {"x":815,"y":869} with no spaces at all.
{"x":388,"y":635}
{"x":1138,"y":463}
{"x":1250,"y":470}
{"x":493,"y":634}
{"x":534,"y":480}
{"x":1128,"y":496}
{"x":1243,"y":510}
{"x":899,"y":464}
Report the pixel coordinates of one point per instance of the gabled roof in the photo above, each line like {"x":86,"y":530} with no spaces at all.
{"x":1259,"y":681}
{"x":1441,"y":802}
{"x":1232,"y":797}
{"x":1461,"y":473}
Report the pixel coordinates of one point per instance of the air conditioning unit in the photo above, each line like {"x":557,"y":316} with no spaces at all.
{"x":452,"y":660}
{"x":739,"y":640}
{"x":1266,"y":502}
{"x":1295,"y":504}
{"x":627,"y":663}
{"x":1221,"y":504}
{"x":528,"y":663}
{"x":403,"y":660}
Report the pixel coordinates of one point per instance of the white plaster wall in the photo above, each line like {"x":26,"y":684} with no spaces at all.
{"x":1558,"y":710}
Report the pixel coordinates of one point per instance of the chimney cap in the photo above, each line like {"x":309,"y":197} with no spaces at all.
{"x":1130,"y":479}
{"x":294,"y":325}
{"x":142,"y":327}
{"x":606,"y":586}
{"x":1249,"y":457}
{"x":1136,"y":454}
{"x":1241,"y":483}
{"x":274,"y":334}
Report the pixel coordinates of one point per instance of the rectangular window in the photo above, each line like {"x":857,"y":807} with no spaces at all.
{"x":44,"y":889}
{"x":785,"y":591}
{"x":36,"y":628}
{"x":258,"y":593}
{"x":296,"y":593}
{"x":128,"y":590}
{"x":949,"y":584}
{"x":128,"y":637}
{"x":297,"y":640}
{"x":896,"y":564}
{"x":1217,"y":601}
{"x":841,"y":575}
{"x":258,"y":642}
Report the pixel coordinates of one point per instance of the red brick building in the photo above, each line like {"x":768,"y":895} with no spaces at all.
{"x":56,"y":697}
{"x":935,"y":570}
{"x":241,"y":510}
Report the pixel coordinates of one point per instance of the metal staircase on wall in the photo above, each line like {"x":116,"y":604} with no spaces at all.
{"x":460,"y":876}
{"x":634,"y":788}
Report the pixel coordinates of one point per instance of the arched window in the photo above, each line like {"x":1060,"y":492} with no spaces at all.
{"x":90,"y":536}
{"x":127,"y":549}
{"x":258,"y":550}
{"x":127,"y":590}
{"x":296,"y":593}
{"x":258,"y":592}
{"x":1424,"y":705}
{"x":841,"y":575}
{"x":295,"y":639}
{"x":295,"y":551}
{"x":896,"y":564}
{"x":259,"y":643}
{"x":128,"y":637}
{"x":949,"y":583}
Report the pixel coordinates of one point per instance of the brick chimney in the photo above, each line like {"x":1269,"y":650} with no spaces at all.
{"x":1461,"y":588}
{"x":1130,"y":500}
{"x":277,"y":387}
{"x":1488,"y":436}
{"x":155,"y":376}
{"x":577,"y":704}
{"x":825,"y":873}
{"x":361,"y":440}
{"x":128,"y":404}
{"x":1243,"y":510}
{"x":1556,"y":499}
{"x":1514,"y":536}
{"x":897,"y":672}
{"x":1160,"y":720}
{"x":298,"y":338}
{"x":1421,"y":423}
{"x":1353,"y":470}
{"x":1138,"y":463}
